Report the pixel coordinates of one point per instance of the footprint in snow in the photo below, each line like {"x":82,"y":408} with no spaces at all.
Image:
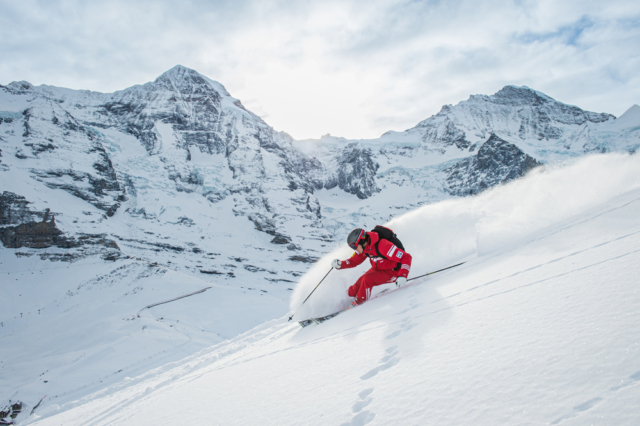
{"x":578,"y":409}
{"x":363,"y":400}
{"x":361,"y":417}
{"x":387,"y":362}
{"x":587,"y":405}
{"x":413,"y":305}
{"x":405,"y":325}
{"x":632,"y":379}
{"x":394,"y":334}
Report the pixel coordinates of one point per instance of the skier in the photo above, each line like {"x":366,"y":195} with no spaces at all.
{"x":389,"y":263}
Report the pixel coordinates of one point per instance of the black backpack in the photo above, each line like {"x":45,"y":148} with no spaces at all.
{"x":387,"y":234}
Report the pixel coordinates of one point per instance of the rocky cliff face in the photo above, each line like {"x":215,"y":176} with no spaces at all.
{"x":38,"y":230}
{"x":48,"y":139}
{"x":355,"y":172}
{"x":14,"y":210}
{"x":33,"y":235}
{"x":496,"y":162}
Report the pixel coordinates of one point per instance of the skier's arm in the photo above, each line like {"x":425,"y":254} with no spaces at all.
{"x":353,"y":261}
{"x":393,"y":258}
{"x":404,"y":266}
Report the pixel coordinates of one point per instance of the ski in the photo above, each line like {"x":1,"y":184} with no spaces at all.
{"x":320,"y":320}
{"x":305,"y":323}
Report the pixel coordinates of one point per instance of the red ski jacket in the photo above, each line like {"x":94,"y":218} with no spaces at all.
{"x":386,"y":257}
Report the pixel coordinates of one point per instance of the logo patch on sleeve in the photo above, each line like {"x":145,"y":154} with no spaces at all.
{"x":399,"y":254}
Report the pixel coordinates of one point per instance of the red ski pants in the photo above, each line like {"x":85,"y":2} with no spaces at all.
{"x":361,"y":290}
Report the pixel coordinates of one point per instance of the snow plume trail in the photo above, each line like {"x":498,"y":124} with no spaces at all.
{"x":441,"y":234}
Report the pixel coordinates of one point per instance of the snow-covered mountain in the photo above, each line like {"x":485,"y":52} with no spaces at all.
{"x":191,"y":137}
{"x":465,"y":149}
{"x":110,"y":203}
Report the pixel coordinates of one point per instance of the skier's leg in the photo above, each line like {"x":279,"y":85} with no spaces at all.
{"x":370,"y":279}
{"x":353,"y":290}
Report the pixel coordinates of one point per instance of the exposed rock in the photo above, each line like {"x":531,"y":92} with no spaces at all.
{"x":281,"y":239}
{"x":21,"y":155}
{"x":514,"y":96}
{"x":14,"y":210}
{"x":304,"y":259}
{"x":356,"y":172}
{"x":263,"y":223}
{"x":25,"y":123}
{"x":141,"y":212}
{"x":85,"y":186}
{"x":154,"y":245}
{"x":10,"y":412}
{"x":445,"y":134}
{"x":497,"y":162}
{"x":211,"y":272}
{"x":44,"y":234}
{"x":37,"y":229}
{"x":185,"y":221}
{"x":33,"y":235}
{"x":314,"y":206}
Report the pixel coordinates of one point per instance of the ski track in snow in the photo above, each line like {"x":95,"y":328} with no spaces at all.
{"x":538,"y":267}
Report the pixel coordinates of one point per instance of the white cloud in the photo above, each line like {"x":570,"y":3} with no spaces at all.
{"x":349,"y":68}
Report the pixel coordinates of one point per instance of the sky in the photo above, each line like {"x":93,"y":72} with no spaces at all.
{"x":349,"y":68}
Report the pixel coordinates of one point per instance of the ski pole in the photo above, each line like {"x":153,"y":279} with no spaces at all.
{"x":439,"y":270}
{"x":291,"y":317}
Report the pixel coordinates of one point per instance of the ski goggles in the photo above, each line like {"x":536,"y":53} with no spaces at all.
{"x":354,"y":245}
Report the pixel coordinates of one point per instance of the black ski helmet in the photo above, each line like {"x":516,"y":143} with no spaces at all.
{"x":355,"y":237}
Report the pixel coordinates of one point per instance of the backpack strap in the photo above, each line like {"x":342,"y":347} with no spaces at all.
{"x":398,"y":266}
{"x":377,"y":249}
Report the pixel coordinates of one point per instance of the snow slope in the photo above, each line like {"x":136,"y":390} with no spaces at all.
{"x":538,"y":327}
{"x":76,"y":328}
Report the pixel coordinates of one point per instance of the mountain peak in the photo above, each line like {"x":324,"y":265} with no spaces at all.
{"x":520,"y":94}
{"x":634,"y":111}
{"x":180,"y":73}
{"x":179,"y":70}
{"x":20,"y":86}
{"x":630,"y":118}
